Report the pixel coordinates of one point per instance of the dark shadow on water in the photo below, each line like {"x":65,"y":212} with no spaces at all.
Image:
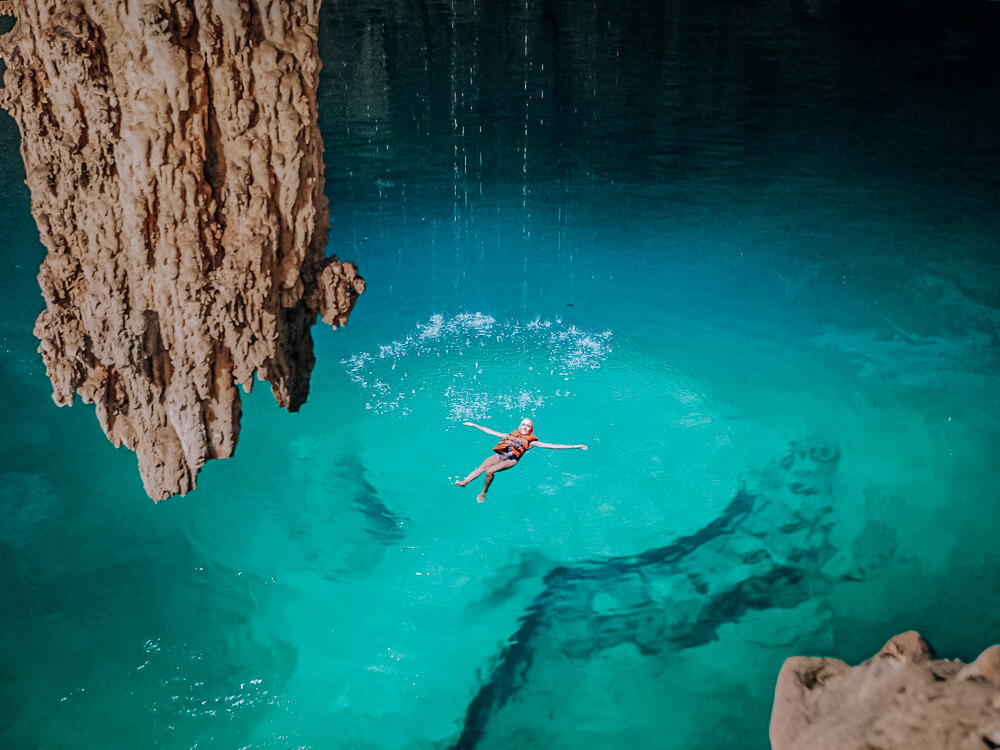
{"x":381,"y":523}
{"x":766,"y":550}
{"x":344,"y":530}
{"x":527,"y":568}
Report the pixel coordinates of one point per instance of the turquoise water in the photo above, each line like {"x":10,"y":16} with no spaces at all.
{"x":748,"y":253}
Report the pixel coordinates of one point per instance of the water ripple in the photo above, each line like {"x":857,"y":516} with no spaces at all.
{"x":488,"y":364}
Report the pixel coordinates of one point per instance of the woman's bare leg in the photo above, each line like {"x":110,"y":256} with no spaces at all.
{"x":498,"y":466}
{"x":482,"y":467}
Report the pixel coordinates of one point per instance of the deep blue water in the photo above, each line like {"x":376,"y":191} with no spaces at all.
{"x":746,"y":251}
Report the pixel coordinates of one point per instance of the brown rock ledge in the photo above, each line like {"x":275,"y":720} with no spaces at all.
{"x":174,"y":160}
{"x":903,"y":699}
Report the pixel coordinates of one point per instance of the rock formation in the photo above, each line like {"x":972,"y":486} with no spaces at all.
{"x":174,"y":160}
{"x":903,"y":699}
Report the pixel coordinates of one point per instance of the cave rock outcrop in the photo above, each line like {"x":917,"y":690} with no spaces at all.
{"x":174,"y":160}
{"x":903,"y":699}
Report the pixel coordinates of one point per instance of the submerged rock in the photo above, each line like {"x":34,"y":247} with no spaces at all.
{"x":902,"y":699}
{"x":764,"y":551}
{"x":175,"y":166}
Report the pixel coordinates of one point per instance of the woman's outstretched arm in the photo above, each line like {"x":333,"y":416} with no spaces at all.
{"x":487,"y":429}
{"x":557,"y":446}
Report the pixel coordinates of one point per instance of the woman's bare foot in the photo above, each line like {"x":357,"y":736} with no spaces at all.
{"x":481,"y":497}
{"x":461,"y":482}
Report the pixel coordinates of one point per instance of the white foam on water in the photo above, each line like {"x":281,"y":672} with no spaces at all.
{"x":475,"y":364}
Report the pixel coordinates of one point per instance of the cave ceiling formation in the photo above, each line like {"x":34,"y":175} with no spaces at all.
{"x":175,"y":167}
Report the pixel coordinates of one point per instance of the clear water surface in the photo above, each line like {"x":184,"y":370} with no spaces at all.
{"x":747,"y":252}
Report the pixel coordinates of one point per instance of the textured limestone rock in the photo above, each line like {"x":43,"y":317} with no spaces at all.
{"x":903,"y":699}
{"x":175,"y":166}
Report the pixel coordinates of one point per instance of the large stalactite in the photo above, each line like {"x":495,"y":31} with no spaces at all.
{"x":175,"y":166}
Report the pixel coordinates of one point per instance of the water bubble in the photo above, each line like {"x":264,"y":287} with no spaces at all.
{"x":502,"y":348}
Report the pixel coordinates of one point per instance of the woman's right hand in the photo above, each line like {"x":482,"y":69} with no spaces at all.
{"x":470,"y":424}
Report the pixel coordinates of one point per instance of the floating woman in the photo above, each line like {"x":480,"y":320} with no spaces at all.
{"x":508,"y":451}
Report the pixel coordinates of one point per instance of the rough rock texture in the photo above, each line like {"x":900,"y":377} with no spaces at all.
{"x":175,"y":166}
{"x":903,"y":699}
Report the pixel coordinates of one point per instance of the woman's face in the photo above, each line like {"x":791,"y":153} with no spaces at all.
{"x":526,"y":426}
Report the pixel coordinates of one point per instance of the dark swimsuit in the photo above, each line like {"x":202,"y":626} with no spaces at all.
{"x":506,"y":454}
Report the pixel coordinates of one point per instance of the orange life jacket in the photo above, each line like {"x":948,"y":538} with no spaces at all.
{"x":516,"y":443}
